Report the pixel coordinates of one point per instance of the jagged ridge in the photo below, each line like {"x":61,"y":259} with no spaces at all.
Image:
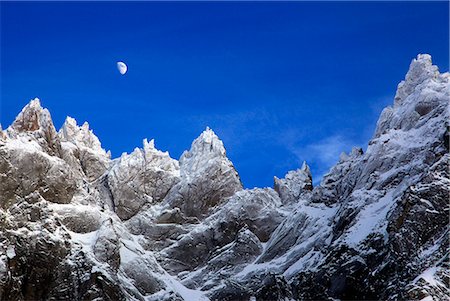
{"x":77,"y":225}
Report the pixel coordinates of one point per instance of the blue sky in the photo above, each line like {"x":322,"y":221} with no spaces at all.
{"x":278,"y":82}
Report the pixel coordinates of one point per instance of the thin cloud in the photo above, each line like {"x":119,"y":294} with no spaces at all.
{"x":322,"y":155}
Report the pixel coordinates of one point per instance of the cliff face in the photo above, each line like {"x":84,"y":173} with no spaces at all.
{"x":77,"y":225}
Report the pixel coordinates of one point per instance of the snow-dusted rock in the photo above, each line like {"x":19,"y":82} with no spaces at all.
{"x":82,"y":149}
{"x":33,"y":245}
{"x":35,"y":123}
{"x":339,"y":181}
{"x":424,"y":90}
{"x":2,"y":133}
{"x":144,"y":176}
{"x":363,"y":249}
{"x":348,"y":239}
{"x":200,"y":253}
{"x":207,"y":177}
{"x":26,"y":167}
{"x":420,"y":70}
{"x":294,"y":184}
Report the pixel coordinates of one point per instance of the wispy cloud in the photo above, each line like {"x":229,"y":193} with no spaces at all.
{"x":280,"y":139}
{"x":326,"y":151}
{"x":322,"y":155}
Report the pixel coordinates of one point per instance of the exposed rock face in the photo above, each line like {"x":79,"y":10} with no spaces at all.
{"x":35,"y":123}
{"x":31,"y":250}
{"x":82,"y":149}
{"x":294,"y":184}
{"x":27,"y":168}
{"x":76,"y":225}
{"x":144,"y":176}
{"x":207,"y":177}
{"x":255,"y":211}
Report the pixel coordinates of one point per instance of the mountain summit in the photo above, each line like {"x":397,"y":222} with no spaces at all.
{"x":78,"y":225}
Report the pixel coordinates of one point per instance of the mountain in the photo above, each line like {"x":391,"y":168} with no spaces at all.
{"x":78,"y":225}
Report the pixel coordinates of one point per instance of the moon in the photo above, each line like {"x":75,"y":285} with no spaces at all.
{"x":122,"y":67}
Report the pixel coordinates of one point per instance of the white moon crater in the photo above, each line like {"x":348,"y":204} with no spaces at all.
{"x":122,"y":67}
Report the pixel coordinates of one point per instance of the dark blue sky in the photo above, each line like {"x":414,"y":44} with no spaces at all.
{"x":278,"y":82}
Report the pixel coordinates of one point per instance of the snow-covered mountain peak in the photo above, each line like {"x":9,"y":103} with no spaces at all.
{"x":34,"y":103}
{"x":32,"y":118}
{"x":149,"y":145}
{"x":153,"y":172}
{"x":420,"y":70}
{"x":36,"y":123}
{"x":205,"y":148}
{"x":157,"y":158}
{"x":294,"y":184}
{"x":305,"y":168}
{"x":206,"y":167}
{"x":423,"y":92}
{"x":81,"y":136}
{"x":207,"y":142}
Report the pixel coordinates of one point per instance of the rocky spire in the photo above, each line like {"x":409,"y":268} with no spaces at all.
{"x":144,"y":176}
{"x":420,"y":69}
{"x":294,"y":184}
{"x":207,"y":167}
{"x":205,"y":148}
{"x":31,"y":118}
{"x":416,"y":96}
{"x":306,"y":170}
{"x":35,"y":120}
{"x":80,"y":135}
{"x":376,"y":228}
{"x":2,"y":134}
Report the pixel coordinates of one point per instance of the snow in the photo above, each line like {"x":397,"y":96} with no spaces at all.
{"x":3,"y":266}
{"x":433,"y":281}
{"x":86,"y":240}
{"x":428,"y":203}
{"x":428,"y":276}
{"x":10,"y":252}
{"x":23,"y":144}
{"x":304,"y":263}
{"x":130,"y":250}
{"x":370,"y":219}
{"x":186,"y":293}
{"x":81,"y":136}
{"x":431,"y":249}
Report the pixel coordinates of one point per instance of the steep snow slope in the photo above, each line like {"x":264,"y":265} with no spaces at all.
{"x":76,"y":225}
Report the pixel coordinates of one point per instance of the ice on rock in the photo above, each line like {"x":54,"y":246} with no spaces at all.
{"x":31,"y":118}
{"x":364,"y":202}
{"x":233,"y":233}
